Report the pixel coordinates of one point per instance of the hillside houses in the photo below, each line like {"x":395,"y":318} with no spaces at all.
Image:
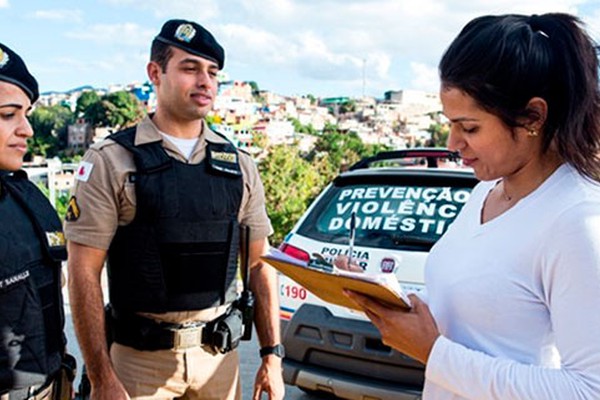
{"x":241,"y":112}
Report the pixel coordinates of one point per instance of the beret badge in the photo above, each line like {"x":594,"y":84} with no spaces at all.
{"x":3,"y":58}
{"x":192,"y":38}
{"x":185,"y":33}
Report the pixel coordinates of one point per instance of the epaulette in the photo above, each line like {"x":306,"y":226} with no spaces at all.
{"x":106,"y":142}
{"x":246,"y":152}
{"x":230,"y":142}
{"x":224,"y":138}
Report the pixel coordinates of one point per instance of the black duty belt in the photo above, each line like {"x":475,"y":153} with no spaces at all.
{"x":222,"y":334}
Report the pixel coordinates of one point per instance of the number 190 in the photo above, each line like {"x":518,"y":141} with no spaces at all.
{"x":293,"y":292}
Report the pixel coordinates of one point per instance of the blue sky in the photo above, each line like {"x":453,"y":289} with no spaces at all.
{"x":321,"y":47}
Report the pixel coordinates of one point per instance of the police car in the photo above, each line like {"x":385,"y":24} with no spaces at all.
{"x":401,"y":203}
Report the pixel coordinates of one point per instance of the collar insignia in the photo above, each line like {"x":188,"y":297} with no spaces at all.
{"x":223,"y":156}
{"x":185,"y":33}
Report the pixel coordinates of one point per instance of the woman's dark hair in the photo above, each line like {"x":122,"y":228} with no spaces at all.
{"x":161,"y":53}
{"x":504,"y":61}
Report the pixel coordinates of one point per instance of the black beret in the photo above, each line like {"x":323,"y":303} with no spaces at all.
{"x":14,"y":70}
{"x":193,"y":38}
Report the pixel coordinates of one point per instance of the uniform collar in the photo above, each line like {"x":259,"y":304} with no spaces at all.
{"x":147,"y":132}
{"x":211,"y":136}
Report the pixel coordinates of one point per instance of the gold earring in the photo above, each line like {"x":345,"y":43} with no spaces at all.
{"x":532,"y":133}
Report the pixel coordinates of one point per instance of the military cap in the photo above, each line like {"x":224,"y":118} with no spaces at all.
{"x":193,"y":38}
{"x":14,"y":70}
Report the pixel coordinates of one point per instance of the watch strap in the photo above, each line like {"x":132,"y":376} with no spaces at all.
{"x":277,"y":350}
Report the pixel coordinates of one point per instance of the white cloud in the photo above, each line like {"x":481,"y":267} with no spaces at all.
{"x":99,"y":72}
{"x":197,"y":10}
{"x":304,"y":52}
{"x":425,"y":77}
{"x":59,"y":15}
{"x":379,"y":62}
{"x":592,"y":22}
{"x":275,"y":8}
{"x":4,"y":4}
{"x":314,"y":42}
{"x":118,"y":34}
{"x":254,"y":44}
{"x":327,"y":40}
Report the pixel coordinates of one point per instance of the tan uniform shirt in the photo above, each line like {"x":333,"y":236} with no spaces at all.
{"x":106,"y":200}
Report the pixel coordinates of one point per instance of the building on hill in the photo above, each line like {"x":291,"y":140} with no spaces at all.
{"x":80,"y":135}
{"x":145,"y":94}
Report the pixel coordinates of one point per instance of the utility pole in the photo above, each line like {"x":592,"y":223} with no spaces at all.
{"x":364,"y":60}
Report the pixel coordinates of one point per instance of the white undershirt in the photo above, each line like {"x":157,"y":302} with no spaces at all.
{"x":185,"y":146}
{"x":517,"y":299}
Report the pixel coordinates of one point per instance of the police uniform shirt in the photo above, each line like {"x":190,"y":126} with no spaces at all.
{"x":103,"y":197}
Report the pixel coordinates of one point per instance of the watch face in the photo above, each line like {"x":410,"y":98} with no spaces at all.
{"x":279,"y":351}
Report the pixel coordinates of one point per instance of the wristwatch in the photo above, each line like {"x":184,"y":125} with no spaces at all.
{"x":278,"y":350}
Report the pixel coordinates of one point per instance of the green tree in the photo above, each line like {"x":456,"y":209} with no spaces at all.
{"x":255,"y":88}
{"x":122,"y":109}
{"x":341,"y":150}
{"x":260,"y":140}
{"x":291,"y":183}
{"x":50,"y":126}
{"x":298,"y":127}
{"x":61,"y":200}
{"x":439,"y":135}
{"x":85,"y":101}
{"x":341,"y":147}
{"x":95,"y":114}
{"x":212,"y":120}
{"x":348,"y":107}
{"x":116,"y":110}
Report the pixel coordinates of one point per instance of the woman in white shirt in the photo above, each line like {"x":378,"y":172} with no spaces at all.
{"x":512,"y":309}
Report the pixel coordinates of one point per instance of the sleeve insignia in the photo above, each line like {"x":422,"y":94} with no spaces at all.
{"x":72,"y":210}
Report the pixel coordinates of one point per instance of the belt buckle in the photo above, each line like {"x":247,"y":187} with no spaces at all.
{"x":185,"y":338}
{"x":43,"y":392}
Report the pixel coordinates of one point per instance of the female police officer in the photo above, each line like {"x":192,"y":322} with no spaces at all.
{"x":31,"y":250}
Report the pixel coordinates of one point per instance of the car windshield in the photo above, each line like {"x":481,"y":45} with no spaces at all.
{"x":387,"y":216}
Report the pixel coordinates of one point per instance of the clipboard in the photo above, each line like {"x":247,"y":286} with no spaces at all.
{"x":329,"y":283}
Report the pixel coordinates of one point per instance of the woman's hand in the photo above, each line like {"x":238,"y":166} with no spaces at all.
{"x":341,"y":262}
{"x":412,"y":332}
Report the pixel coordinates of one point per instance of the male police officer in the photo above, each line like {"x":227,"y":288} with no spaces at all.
{"x":162,"y":202}
{"x":32,"y":246}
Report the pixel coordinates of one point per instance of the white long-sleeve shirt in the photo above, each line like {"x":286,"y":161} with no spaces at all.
{"x":517,"y":299}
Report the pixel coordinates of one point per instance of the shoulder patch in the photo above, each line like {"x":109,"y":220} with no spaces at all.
{"x":84,"y":171}
{"x":55,"y":239}
{"x":72,"y":210}
{"x":102,"y":144}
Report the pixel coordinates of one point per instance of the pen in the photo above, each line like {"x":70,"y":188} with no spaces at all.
{"x":351,"y":237}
